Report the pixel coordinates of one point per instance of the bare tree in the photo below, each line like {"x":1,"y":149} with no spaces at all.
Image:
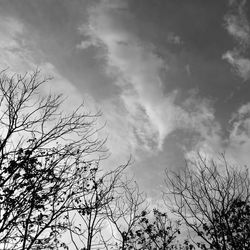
{"x":44,"y":155}
{"x":211,"y":198}
{"x":126,"y":211}
{"x":97,"y":192}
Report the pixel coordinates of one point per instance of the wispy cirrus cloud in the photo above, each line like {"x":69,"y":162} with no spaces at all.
{"x":237,"y":25}
{"x":14,"y":48}
{"x":239,"y":137}
{"x":235,"y":146}
{"x":240,"y":132}
{"x":20,"y":55}
{"x":149,"y":114}
{"x":240,"y":64}
{"x":136,"y":70}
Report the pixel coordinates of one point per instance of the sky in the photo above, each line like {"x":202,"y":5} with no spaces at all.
{"x":171,"y":77}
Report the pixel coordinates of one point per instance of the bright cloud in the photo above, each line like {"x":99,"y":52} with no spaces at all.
{"x":142,"y":116}
{"x":150,"y":115}
{"x":14,"y":50}
{"x":143,"y":71}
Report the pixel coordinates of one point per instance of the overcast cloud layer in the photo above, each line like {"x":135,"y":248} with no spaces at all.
{"x":171,"y":77}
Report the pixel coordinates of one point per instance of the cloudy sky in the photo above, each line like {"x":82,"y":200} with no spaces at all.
{"x":172,"y":77}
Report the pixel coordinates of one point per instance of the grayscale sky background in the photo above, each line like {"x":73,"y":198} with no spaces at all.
{"x":172,"y":77}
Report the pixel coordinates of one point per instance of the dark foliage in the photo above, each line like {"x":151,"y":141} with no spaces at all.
{"x":156,"y":233}
{"x":212,"y":199}
{"x":42,"y":163}
{"x":231,"y":228}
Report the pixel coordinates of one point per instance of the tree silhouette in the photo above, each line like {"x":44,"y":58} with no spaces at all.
{"x":125,"y":211}
{"x":51,"y":183}
{"x":44,"y":155}
{"x":156,"y":231}
{"x":232,"y":227}
{"x":212,"y":198}
{"x":96,"y":194}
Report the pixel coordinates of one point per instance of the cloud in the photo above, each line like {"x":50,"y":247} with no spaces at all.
{"x":235,"y":146}
{"x":240,"y":64}
{"x":141,"y":117}
{"x":172,"y":38}
{"x":240,"y":132}
{"x":136,"y":69}
{"x":239,"y":138}
{"x":238,"y":27}
{"x":19,"y":53}
{"x":201,"y":117}
{"x":237,"y":24}
{"x":91,"y":38}
{"x":11,"y":29}
{"x":14,"y":49}
{"x":149,"y":114}
{"x":60,"y":85}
